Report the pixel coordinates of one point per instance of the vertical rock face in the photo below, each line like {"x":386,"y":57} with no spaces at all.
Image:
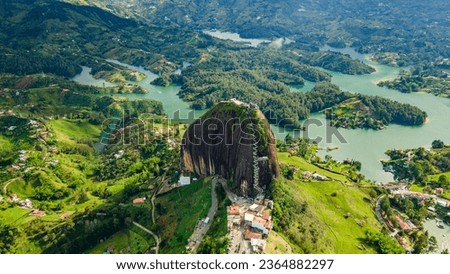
{"x":233,"y":140}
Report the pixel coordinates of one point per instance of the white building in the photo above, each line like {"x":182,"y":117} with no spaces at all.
{"x":184,"y":181}
{"x":253,"y":207}
{"x":248,"y":218}
{"x":26,"y":203}
{"x":258,"y":245}
{"x":319,"y":177}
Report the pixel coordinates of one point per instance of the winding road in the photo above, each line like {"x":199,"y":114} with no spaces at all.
{"x":378,"y":212}
{"x":199,"y":234}
{"x":158,"y":241}
{"x":152,"y":201}
{"x":153,"y":198}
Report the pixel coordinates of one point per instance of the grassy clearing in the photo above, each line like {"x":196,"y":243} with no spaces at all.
{"x":303,"y":165}
{"x":416,"y":188}
{"x":178,"y":213}
{"x":435,"y":177}
{"x":276,"y":244}
{"x":5,"y":144}
{"x":15,"y":215}
{"x":68,"y":131}
{"x":127,"y":241}
{"x":118,"y":241}
{"x":345,"y":233}
{"x":21,"y":188}
{"x":343,"y":212}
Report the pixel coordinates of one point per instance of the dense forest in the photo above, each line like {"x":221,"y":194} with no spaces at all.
{"x":335,"y":62}
{"x":264,"y":76}
{"x":43,"y":96}
{"x":373,"y":112}
{"x":56,"y":37}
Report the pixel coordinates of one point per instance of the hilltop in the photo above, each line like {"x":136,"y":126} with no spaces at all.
{"x":56,"y":37}
{"x":232,"y":140}
{"x":393,"y":29}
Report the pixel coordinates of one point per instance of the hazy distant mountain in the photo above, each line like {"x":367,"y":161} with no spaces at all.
{"x":403,"y":26}
{"x":56,"y":37}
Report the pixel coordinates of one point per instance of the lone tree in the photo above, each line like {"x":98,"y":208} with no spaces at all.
{"x":437,"y":144}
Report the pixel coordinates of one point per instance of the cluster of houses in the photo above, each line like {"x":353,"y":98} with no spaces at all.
{"x":249,"y":226}
{"x":405,"y":225}
{"x":439,"y":202}
{"x":23,"y":155}
{"x":40,"y":133}
{"x":26,"y":204}
{"x":8,"y":112}
{"x":422,"y":197}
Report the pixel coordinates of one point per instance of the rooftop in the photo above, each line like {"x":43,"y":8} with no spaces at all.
{"x":234,"y":210}
{"x":249,"y":217}
{"x":252,"y":235}
{"x":138,"y":200}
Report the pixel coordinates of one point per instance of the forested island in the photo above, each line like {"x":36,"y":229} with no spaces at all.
{"x":374,"y":113}
{"x":433,"y":79}
{"x":264,"y":79}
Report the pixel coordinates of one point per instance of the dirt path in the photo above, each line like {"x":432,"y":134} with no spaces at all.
{"x":5,"y":187}
{"x":153,"y":198}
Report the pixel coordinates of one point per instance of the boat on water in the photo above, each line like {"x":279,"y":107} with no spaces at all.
{"x":332,"y":149}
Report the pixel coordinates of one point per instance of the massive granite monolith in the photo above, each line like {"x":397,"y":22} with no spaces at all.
{"x":233,"y":140}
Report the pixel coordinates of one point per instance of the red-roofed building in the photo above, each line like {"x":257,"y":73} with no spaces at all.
{"x":139,"y":200}
{"x":252,"y":235}
{"x":234,"y":210}
{"x":439,"y":191}
{"x":266,"y":217}
{"x":403,"y":225}
{"x":260,"y":221}
{"x":38,"y":213}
